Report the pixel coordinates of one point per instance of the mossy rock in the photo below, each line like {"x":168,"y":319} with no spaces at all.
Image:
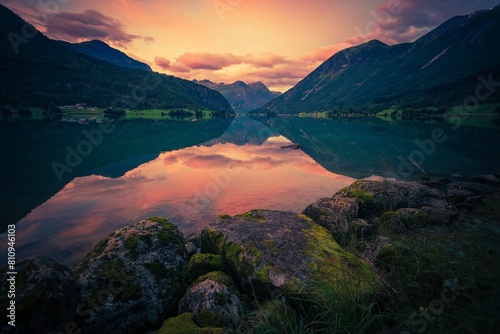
{"x":139,"y":267}
{"x":46,"y":297}
{"x":214,"y":300}
{"x":220,"y":277}
{"x":184,"y":324}
{"x":376,"y":197}
{"x":285,"y":252}
{"x":203,"y":263}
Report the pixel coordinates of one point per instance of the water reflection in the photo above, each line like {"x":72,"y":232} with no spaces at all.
{"x":363,"y":147}
{"x":189,"y":186}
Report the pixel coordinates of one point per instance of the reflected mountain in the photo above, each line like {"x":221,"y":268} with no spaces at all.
{"x":244,"y":130}
{"x":30,"y":149}
{"x":189,"y":187}
{"x":362,"y":147}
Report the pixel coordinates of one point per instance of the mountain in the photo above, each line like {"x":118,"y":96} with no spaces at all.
{"x":440,"y":68}
{"x":243,"y":97}
{"x":100,"y":50}
{"x":35,"y":70}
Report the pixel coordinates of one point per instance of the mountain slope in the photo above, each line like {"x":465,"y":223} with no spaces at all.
{"x":243,"y":97}
{"x":441,"y":67}
{"x":44,"y":71}
{"x":100,"y":50}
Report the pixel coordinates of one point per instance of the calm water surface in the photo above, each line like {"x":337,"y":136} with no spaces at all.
{"x":225,"y":167}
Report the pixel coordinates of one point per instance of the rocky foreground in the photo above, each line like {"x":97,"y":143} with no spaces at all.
{"x":244,"y":272}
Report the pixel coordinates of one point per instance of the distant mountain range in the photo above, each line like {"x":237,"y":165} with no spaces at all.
{"x":100,"y":50}
{"x":440,"y":68}
{"x":45,"y":71}
{"x":243,"y":97}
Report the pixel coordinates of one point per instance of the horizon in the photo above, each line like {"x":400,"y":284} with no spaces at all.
{"x":225,"y":41}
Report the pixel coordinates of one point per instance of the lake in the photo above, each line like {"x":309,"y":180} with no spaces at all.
{"x":190,"y":172}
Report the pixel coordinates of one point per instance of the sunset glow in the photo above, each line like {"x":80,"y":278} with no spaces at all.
{"x":277,"y":42}
{"x":190,"y":187}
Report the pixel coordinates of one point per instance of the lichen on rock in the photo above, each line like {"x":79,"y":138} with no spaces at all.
{"x":133,"y":278}
{"x":214,"y":301}
{"x":284,"y":250}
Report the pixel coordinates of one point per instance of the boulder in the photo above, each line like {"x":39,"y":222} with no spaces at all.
{"x":375,"y":197}
{"x":335,"y":214}
{"x":213,"y":300}
{"x":368,"y":200}
{"x":271,"y":251}
{"x":46,"y":297}
{"x":439,"y":216}
{"x":131,"y":280}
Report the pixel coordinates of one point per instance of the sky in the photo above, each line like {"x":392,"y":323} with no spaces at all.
{"x":277,"y":42}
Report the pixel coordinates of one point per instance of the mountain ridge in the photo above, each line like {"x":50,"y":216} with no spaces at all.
{"x":437,"y":69}
{"x":243,"y":97}
{"x":100,"y":50}
{"x":44,"y":71}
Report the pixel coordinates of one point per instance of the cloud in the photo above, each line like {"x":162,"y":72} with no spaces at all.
{"x":208,"y":61}
{"x":175,"y":68}
{"x":164,"y":63}
{"x":90,"y":24}
{"x":398,"y":21}
{"x":213,"y":61}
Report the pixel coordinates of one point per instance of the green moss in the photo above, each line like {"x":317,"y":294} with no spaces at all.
{"x":209,"y":319}
{"x":131,"y":244}
{"x":336,"y":267}
{"x":108,"y":271}
{"x":251,"y":215}
{"x":96,"y":251}
{"x":219,"y":277}
{"x":231,"y":251}
{"x":184,"y":324}
{"x":360,"y":195}
{"x":223,"y":217}
{"x":202,"y":263}
{"x":163,"y":222}
{"x":270,"y":244}
{"x":159,"y":270}
{"x":262,"y":275}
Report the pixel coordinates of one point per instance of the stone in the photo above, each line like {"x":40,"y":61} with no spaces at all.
{"x":335,"y":214}
{"x":191,"y":248}
{"x":132,"y":279}
{"x":272,"y":251}
{"x":214,"y":302}
{"x":439,"y":216}
{"x":46,"y":297}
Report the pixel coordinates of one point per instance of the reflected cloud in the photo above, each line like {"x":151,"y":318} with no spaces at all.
{"x":189,"y":187}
